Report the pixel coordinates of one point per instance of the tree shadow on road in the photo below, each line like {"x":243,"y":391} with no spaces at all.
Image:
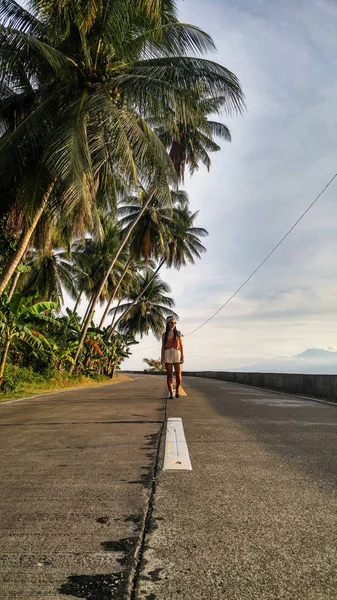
{"x":111,"y":586}
{"x":96,"y":587}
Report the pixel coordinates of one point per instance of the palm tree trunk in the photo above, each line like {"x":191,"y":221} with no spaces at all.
{"x":114,"y":294}
{"x":112,"y":322}
{"x":138,"y":297}
{"x":98,"y":293}
{"x":23,"y":243}
{"x":115,"y":364}
{"x":3,"y":360}
{"x":15,"y":279}
{"x":14,"y":284}
{"x":88,"y":307}
{"x":77,"y":302}
{"x":21,"y":249}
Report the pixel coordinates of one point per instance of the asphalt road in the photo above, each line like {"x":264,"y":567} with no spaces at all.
{"x":75,"y":478}
{"x":256,"y":518}
{"x":82,"y":494}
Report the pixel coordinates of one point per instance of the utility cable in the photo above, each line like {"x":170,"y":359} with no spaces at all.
{"x":260,"y":265}
{"x":265,"y":260}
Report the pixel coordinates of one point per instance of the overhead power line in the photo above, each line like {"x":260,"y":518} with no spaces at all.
{"x":260,"y":265}
{"x":265,"y":260}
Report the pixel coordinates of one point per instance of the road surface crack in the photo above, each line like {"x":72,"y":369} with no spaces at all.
{"x":147,"y":523}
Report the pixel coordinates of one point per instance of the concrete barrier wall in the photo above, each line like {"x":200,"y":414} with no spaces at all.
{"x":317,"y":386}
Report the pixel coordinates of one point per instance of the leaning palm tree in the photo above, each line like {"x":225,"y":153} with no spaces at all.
{"x":150,"y":236}
{"x":182,"y":246}
{"x":81,"y":87}
{"x":102,"y":246}
{"x":150,"y":311}
{"x":120,"y":277}
{"x":94,"y":255}
{"x":123,"y":279}
{"x":152,"y":232}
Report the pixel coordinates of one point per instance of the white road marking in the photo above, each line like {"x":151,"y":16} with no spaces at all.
{"x":176,"y":451}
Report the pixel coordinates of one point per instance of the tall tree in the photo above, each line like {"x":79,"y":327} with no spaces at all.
{"x":50,"y":272}
{"x":96,"y":296}
{"x":81,"y":86}
{"x":182,"y":245}
{"x":190,"y":141}
{"x":151,"y":310}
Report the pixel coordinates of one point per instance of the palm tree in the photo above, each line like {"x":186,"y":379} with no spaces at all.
{"x":50,"y":272}
{"x":81,"y":87}
{"x":17,"y":318}
{"x":22,"y":268}
{"x":123,"y":279}
{"x":152,"y":232}
{"x":150,"y":311}
{"x":83,"y":257}
{"x":93,"y":255}
{"x":182,"y":246}
{"x":185,"y":245}
{"x":190,"y":141}
{"x":96,"y":295}
{"x":119,"y":282}
{"x":102,"y":247}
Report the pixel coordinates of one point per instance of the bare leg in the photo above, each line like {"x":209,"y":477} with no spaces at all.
{"x":169,"y":373}
{"x":177,"y":368}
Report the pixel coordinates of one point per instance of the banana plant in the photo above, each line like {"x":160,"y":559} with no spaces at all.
{"x":118,"y":349}
{"x":64,"y":339}
{"x":17,"y":319}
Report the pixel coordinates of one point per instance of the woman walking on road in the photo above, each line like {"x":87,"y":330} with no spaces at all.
{"x":172,"y":354}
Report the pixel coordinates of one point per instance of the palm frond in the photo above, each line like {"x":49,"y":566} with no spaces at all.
{"x":16,"y":17}
{"x":170,"y":38}
{"x":68,"y":157}
{"x":26,"y":139}
{"x":18,"y":47}
{"x":168,"y":79}
{"x":219,"y":129}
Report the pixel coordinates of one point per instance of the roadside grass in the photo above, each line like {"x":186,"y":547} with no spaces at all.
{"x":22,"y":382}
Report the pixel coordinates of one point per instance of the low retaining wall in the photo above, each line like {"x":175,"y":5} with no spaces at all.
{"x":316,"y":386}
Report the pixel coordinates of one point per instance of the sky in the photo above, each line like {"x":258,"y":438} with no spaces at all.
{"x":283,"y":152}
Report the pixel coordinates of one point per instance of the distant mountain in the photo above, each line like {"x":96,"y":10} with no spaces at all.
{"x":313,"y":360}
{"x":318,"y":353}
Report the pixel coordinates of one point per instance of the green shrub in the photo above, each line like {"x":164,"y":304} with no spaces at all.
{"x":16,"y":378}
{"x":25,"y":379}
{"x":155,"y":365}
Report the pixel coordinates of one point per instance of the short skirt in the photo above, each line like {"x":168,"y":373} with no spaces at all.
{"x":172,"y":356}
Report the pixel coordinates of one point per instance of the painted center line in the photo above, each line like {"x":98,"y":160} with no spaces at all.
{"x":176,"y":451}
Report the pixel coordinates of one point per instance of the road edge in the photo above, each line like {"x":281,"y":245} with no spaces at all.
{"x":60,"y":391}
